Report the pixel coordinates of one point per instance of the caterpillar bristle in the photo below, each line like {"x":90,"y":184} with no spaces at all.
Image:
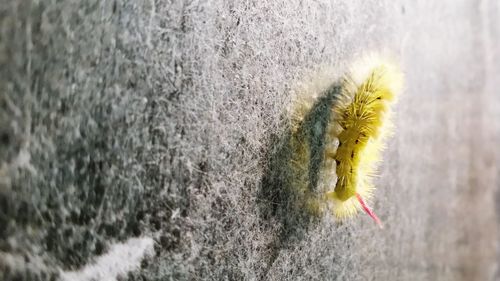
{"x":369,"y":211}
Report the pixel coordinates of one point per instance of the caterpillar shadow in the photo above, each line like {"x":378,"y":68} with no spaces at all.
{"x":289,"y":192}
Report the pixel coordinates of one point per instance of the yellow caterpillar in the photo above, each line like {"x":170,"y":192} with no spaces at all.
{"x":359,"y":122}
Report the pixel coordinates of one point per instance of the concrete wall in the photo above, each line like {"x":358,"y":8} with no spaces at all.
{"x":126,"y":122}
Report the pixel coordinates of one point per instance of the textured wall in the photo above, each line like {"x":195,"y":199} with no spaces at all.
{"x":158,"y":119}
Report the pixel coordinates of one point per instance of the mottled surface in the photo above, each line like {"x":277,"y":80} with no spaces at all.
{"x":123,"y":119}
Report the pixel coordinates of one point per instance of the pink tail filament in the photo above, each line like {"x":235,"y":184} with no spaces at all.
{"x":369,"y":211}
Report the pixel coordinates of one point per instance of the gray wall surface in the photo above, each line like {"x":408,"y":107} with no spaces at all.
{"x":123,"y":119}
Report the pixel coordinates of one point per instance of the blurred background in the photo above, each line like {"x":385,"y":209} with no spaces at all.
{"x":147,"y":127}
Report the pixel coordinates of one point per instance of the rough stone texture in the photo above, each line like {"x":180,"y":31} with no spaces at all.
{"x":122,"y":119}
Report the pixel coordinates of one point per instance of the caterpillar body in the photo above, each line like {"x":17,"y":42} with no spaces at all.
{"x":359,"y":123}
